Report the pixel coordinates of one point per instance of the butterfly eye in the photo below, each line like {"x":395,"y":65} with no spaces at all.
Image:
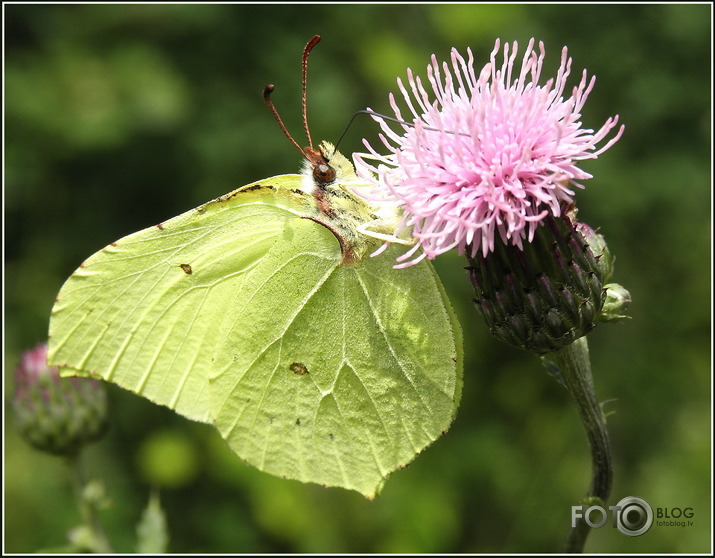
{"x":323,"y":173}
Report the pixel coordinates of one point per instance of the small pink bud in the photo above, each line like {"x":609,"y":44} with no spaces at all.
{"x":57,"y":415}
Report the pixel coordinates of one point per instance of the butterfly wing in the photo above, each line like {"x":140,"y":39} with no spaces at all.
{"x":244,"y":313}
{"x":359,"y":377}
{"x":146,"y":311}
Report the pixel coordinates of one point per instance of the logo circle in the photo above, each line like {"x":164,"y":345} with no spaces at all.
{"x":634,"y":517}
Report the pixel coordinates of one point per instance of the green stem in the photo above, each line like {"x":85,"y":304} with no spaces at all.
{"x":87,"y":507}
{"x":575,"y":371}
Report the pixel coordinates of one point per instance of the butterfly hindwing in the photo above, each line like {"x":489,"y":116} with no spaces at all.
{"x":351,"y":385}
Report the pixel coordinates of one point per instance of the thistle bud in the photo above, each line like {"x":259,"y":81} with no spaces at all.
{"x":617,"y":301}
{"x":57,"y":415}
{"x":546,"y":296}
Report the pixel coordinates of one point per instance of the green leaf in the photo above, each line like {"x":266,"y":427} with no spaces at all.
{"x":246,"y":312}
{"x":152,"y":532}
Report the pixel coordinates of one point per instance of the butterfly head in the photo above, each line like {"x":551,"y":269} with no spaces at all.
{"x":325,"y":167}
{"x":318,"y":160}
{"x":330,"y":178}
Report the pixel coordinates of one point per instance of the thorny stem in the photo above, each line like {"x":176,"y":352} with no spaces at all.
{"x":575,"y":371}
{"x":87,"y":507}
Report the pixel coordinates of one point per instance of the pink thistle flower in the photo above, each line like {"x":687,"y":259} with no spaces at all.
{"x":493,"y":154}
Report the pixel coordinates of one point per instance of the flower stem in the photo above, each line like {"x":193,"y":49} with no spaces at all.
{"x":574,"y":368}
{"x":98,"y":541}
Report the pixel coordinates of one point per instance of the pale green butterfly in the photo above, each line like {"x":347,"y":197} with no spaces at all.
{"x":262,"y":312}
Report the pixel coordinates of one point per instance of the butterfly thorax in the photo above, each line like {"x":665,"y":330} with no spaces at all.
{"x":359,"y":224}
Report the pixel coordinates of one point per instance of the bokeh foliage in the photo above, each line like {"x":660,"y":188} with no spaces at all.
{"x":121,"y":116}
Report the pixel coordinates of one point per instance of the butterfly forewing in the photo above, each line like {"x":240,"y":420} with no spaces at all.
{"x":146,"y":311}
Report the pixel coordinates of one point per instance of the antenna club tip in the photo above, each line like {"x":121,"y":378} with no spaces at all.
{"x":314,"y":41}
{"x":267,"y":90}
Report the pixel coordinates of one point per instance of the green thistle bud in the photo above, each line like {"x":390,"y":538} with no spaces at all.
{"x":546,"y":296}
{"x":57,"y":415}
{"x":617,"y":301}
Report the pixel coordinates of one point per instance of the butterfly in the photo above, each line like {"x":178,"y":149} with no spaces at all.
{"x":262,"y":313}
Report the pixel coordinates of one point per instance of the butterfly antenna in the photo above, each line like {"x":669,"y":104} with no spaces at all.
{"x":306,"y":53}
{"x":267,"y":98}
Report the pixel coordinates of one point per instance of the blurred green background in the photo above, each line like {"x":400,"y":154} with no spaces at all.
{"x":121,"y":116}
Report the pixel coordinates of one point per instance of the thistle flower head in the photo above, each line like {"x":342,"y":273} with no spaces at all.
{"x":493,"y":154}
{"x":57,"y":415}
